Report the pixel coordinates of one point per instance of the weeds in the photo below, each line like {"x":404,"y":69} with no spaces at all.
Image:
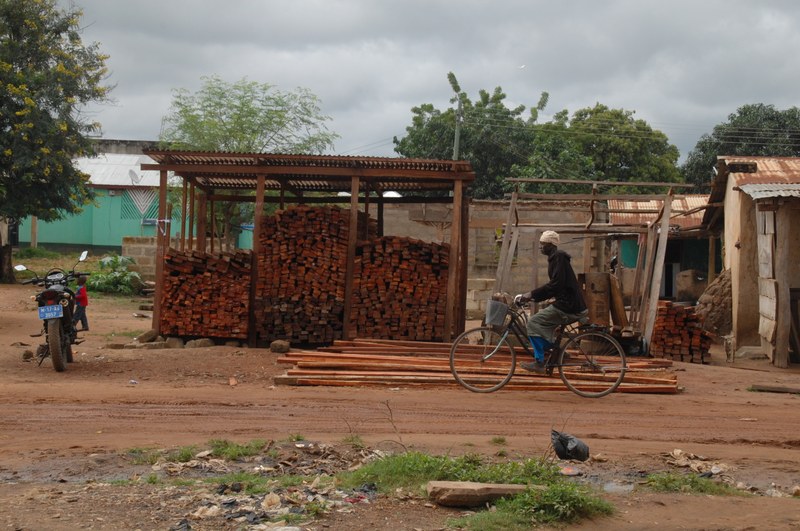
{"x":183,"y":454}
{"x":413,"y":469}
{"x":231,"y":451}
{"x":499,"y":440}
{"x":143,"y":456}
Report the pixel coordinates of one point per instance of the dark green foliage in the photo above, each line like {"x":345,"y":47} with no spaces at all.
{"x":114,"y":276}
{"x":47,"y":74}
{"x":753,"y":130}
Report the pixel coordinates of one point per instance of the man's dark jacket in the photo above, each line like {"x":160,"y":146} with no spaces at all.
{"x":563,"y":285}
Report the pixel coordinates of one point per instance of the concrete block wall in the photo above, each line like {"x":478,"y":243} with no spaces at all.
{"x":143,"y":250}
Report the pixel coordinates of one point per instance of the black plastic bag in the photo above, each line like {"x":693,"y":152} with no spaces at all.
{"x":568,"y":446}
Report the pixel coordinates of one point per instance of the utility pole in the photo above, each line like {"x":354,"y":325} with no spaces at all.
{"x":457,"y":140}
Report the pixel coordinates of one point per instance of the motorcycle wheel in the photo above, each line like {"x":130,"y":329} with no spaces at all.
{"x":55,"y":344}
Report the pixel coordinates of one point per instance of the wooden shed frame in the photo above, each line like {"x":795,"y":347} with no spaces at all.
{"x":211,"y":177}
{"x":641,"y":318}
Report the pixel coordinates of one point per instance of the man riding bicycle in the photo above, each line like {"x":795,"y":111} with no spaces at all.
{"x":568,"y":306}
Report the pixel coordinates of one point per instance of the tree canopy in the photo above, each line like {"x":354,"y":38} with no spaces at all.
{"x":597,"y":143}
{"x":755,"y":130}
{"x":47,"y":75}
{"x":246,"y":116}
{"x":492,"y":136}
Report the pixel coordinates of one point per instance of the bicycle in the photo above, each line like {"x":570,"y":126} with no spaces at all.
{"x":589,"y":360}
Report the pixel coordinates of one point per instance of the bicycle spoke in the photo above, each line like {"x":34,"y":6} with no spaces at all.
{"x":592,"y":364}
{"x":482,"y":360}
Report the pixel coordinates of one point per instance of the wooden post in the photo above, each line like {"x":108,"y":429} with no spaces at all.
{"x":504,"y":261}
{"x":461,"y":318}
{"x":183,"y":215}
{"x":34,"y":232}
{"x":255,"y":257}
{"x":192,"y":194}
{"x":347,"y":318}
{"x":162,"y":240}
{"x":213,"y":223}
{"x":202,"y":220}
{"x":784,"y":313}
{"x":658,"y":271}
{"x":454,"y":263}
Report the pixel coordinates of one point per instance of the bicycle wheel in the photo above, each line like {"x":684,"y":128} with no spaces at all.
{"x":482,"y":360}
{"x":592,"y":364}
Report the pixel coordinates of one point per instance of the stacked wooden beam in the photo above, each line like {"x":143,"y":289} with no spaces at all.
{"x":400,"y":289}
{"x":206,"y":295}
{"x":300,"y":289}
{"x":399,"y":284}
{"x":419,"y":364}
{"x":678,"y":333}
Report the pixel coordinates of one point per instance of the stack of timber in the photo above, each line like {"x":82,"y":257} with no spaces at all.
{"x":206,"y":295}
{"x":678,"y":333}
{"x":370,"y":362}
{"x":400,"y":289}
{"x":301,"y":284}
{"x":399,"y":284}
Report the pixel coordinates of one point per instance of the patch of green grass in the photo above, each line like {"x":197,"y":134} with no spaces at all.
{"x":184,"y":454}
{"x":143,"y":456}
{"x":413,"y":470}
{"x":36,"y":253}
{"x":690,"y":484}
{"x":560,"y":503}
{"x":232,"y":451}
{"x":499,"y":440}
{"x":296,"y":437}
{"x":152,"y":479}
{"x":501,"y":453}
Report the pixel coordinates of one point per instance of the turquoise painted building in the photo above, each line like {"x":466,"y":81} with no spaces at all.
{"x":126,"y":205}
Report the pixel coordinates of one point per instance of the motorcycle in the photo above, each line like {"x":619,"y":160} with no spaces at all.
{"x":56,"y":305}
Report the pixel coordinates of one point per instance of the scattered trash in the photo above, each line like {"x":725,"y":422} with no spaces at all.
{"x":568,"y":446}
{"x":133,"y":382}
{"x":696,"y":463}
{"x":570,"y":471}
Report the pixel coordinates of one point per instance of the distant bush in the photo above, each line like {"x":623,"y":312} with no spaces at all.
{"x":114,"y":276}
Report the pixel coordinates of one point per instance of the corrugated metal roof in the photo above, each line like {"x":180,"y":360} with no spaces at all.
{"x":311,"y":173}
{"x":766,"y":191}
{"x":687,"y":211}
{"x":114,"y":169}
{"x":780,"y":172}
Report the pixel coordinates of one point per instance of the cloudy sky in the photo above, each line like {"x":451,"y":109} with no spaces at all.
{"x":681,"y":65}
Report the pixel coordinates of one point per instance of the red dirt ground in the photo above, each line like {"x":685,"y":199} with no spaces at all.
{"x":60,"y":432}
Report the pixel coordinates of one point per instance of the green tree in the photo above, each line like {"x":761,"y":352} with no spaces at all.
{"x":47,"y":75}
{"x":247,"y":117}
{"x":754,"y":130}
{"x":599,"y":143}
{"x":492,"y":136}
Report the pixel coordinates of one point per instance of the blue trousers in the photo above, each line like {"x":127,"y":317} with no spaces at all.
{"x":80,"y":315}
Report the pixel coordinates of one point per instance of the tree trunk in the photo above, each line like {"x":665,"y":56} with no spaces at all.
{"x":6,"y":271}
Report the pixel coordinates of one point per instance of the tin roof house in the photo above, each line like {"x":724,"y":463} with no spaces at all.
{"x":126,"y":205}
{"x":755,"y":205}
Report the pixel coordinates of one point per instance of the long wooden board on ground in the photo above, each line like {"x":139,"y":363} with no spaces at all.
{"x":369,"y":362}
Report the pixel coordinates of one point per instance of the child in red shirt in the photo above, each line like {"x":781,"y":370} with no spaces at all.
{"x":81,"y":302}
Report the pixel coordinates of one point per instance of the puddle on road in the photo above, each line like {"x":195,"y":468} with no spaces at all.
{"x":615,"y":487}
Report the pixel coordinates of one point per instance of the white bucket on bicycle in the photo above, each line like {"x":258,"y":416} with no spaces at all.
{"x":496,"y":312}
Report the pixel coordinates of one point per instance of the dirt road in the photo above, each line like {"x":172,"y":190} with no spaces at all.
{"x":53,"y":427}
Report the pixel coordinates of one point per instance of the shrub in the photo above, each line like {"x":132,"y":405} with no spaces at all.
{"x":114,"y":276}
